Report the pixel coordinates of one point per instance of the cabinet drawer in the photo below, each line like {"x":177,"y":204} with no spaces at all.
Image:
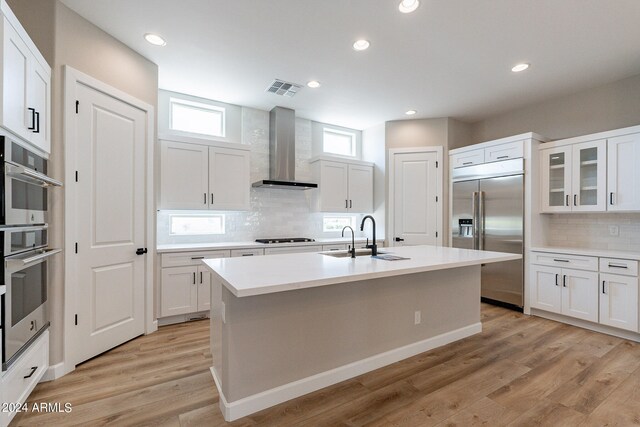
{"x":579,"y":262}
{"x":17,"y":387}
{"x":625,"y":267}
{"x":246,"y":252}
{"x":512,"y":150}
{"x":468,"y":158}
{"x":178,"y":259}
{"x":336,"y":247}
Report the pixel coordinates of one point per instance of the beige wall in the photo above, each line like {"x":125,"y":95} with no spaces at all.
{"x":65,"y":38}
{"x":611,"y":106}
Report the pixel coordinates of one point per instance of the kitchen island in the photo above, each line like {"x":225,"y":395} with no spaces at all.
{"x":286,"y":325}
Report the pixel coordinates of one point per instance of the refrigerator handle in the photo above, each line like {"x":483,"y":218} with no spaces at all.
{"x":481,"y":220}
{"x":474,"y":214}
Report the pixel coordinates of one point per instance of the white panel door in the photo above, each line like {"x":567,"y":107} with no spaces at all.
{"x":15,"y":63}
{"x":179,"y":290}
{"x":333,"y":186}
{"x":360,"y":189}
{"x":546,"y":288}
{"x":184,"y":176}
{"x":112,"y":167}
{"x":229,"y":177}
{"x":39,"y":93}
{"x":589,"y":176}
{"x":619,"y":301}
{"x":623,"y":173}
{"x":204,"y":289}
{"x":415,"y":207}
{"x":580,"y":294}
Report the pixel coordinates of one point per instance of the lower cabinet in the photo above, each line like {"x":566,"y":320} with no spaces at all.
{"x":619,"y":301}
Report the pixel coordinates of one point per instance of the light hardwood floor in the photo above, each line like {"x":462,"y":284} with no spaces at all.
{"x":520,"y":371}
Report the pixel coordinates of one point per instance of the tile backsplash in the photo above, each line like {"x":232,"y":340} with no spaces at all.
{"x":274,"y":212}
{"x":592,"y":231}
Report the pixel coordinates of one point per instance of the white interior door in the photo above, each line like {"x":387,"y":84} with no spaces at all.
{"x":111,"y":221}
{"x":416,"y":205}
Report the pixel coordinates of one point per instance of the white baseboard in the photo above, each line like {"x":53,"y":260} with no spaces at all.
{"x":620,"y":333}
{"x":53,"y":372}
{"x":182,"y":318}
{"x":240,"y":408}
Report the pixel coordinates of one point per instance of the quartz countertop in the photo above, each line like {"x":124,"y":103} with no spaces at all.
{"x":188,"y":247}
{"x":278,"y":273}
{"x":589,"y":252}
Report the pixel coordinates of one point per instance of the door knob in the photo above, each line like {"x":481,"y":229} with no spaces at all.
{"x":398,"y":239}
{"x":141,"y":251}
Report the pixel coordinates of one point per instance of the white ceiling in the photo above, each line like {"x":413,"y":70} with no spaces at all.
{"x":450,"y":58}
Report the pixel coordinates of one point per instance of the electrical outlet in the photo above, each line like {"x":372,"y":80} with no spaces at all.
{"x":417,"y":317}
{"x":614,"y":230}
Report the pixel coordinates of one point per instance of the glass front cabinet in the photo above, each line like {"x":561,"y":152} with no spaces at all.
{"x":574,"y":177}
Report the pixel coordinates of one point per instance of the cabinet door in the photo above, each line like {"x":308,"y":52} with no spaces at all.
{"x":204,"y":289}
{"x":39,"y":93}
{"x":360,"y":189}
{"x":15,"y":63}
{"x":229,"y":184}
{"x":546,"y":290}
{"x":580,"y":294}
{"x":467,"y":158}
{"x":333,"y":187}
{"x":589,"y":176}
{"x":619,"y":301}
{"x":556,"y":179}
{"x":184,"y":174}
{"x":623,"y":173}
{"x":178,"y":291}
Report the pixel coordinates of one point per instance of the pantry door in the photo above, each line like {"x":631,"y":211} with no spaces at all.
{"x":110,"y":268}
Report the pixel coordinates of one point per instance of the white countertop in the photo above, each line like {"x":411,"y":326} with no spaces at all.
{"x":590,"y":252}
{"x":278,"y":273}
{"x":187,"y":247}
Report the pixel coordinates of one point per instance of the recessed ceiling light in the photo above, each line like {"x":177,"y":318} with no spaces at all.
{"x":361,"y":44}
{"x":411,"y":112}
{"x":155,"y":39}
{"x":313,"y":84}
{"x":408,"y":6}
{"x":520,"y":67}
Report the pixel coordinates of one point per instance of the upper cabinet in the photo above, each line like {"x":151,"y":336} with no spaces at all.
{"x":343,"y":185}
{"x":594,"y":173}
{"x":194,"y":176}
{"x":26,"y":86}
{"x":492,"y":151}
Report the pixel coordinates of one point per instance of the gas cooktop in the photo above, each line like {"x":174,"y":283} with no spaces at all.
{"x":285,"y":240}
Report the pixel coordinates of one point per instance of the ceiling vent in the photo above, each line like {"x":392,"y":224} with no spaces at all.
{"x":280,"y":87}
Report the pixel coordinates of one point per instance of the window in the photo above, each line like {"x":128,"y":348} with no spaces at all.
{"x":196,"y":117}
{"x":196,"y":224}
{"x":339,"y":142}
{"x":337,"y":223}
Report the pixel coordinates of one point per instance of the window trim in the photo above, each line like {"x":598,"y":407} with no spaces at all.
{"x":354,"y":142}
{"x":198,"y":106}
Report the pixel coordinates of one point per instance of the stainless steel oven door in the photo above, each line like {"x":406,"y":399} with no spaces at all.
{"x":25,"y":315}
{"x":23,"y":239}
{"x":25,"y":194}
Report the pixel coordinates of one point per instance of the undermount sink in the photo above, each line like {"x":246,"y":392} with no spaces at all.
{"x":346,"y":254}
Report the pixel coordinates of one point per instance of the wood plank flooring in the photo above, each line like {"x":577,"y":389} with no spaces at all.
{"x":520,"y":371}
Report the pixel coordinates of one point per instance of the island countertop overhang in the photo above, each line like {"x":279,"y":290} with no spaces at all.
{"x":245,"y":277}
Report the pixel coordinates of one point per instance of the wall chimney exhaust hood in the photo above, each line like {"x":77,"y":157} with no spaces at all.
{"x":282,"y":152}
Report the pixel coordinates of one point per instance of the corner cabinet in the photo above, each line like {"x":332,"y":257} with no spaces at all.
{"x":344,"y":186}
{"x":194,"y":176}
{"x":26,"y":85}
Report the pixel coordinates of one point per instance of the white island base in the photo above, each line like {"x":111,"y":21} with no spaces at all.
{"x":272,"y":347}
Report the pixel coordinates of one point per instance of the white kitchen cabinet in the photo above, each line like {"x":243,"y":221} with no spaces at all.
{"x":574,"y":177}
{"x":619,"y":301}
{"x":467,"y":158}
{"x":26,"y":87}
{"x":204,"y":288}
{"x":292,"y":249}
{"x":623,"y":173}
{"x":194,"y":176}
{"x":565,"y":291}
{"x":498,"y":152}
{"x":246,"y":252}
{"x":343,"y":186}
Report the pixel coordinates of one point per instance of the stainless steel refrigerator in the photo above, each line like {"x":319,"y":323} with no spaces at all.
{"x":488,"y":214}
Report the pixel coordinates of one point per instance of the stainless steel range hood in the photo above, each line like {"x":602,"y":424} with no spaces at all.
{"x":282,"y":152}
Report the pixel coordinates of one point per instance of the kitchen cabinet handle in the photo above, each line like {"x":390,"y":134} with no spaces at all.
{"x":557,"y":279}
{"x":567,"y":201}
{"x":201,"y":277}
{"x":346,"y":204}
{"x":560,"y":260}
{"x":611,"y":198}
{"x":197,"y":257}
{"x":33,"y":371}
{"x":603,"y":287}
{"x":617,"y":266}
{"x":575,"y":200}
{"x":194,"y":277}
{"x":211,"y":198}
{"x":37,"y":130}
{"x":564,"y":280}
{"x":205,"y":198}
{"x":502,"y":157}
{"x":350,"y":203}
{"x":467,"y":163}
{"x":33,"y":119}
{"x":247,"y":254}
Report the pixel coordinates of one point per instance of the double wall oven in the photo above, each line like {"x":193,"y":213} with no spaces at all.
{"x":24,"y":192}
